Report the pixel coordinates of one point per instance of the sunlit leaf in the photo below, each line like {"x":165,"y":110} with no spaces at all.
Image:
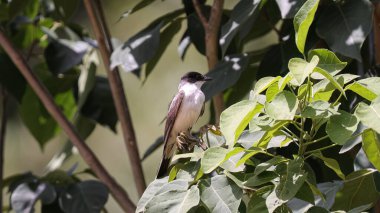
{"x":212,"y":158}
{"x":331,"y":163}
{"x":327,"y":61}
{"x":283,"y":106}
{"x":368,"y":88}
{"x":340,"y":127}
{"x":369,"y":115}
{"x":371,"y":147}
{"x":301,"y":69}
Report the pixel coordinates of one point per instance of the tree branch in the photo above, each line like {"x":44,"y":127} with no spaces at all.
{"x":2,"y":138}
{"x":198,"y":10}
{"x":116,"y":190}
{"x":99,"y":26}
{"x":376,"y":28}
{"x":212,"y":46}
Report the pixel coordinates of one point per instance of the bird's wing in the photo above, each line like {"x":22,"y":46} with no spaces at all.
{"x":172,"y":114}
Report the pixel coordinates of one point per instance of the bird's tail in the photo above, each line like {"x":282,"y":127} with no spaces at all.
{"x":164,"y":165}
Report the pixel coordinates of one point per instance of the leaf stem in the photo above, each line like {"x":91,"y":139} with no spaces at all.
{"x":43,"y":94}
{"x":99,"y":26}
{"x":321,"y":149}
{"x":316,"y":140}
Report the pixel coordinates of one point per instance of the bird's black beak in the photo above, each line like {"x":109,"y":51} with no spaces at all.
{"x":206,"y":78}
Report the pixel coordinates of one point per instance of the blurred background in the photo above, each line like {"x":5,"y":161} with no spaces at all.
{"x":148,"y":103}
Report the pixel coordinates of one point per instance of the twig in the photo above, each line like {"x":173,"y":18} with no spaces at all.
{"x":321,"y":149}
{"x":198,"y":10}
{"x":212,"y":44}
{"x":99,"y":26}
{"x":2,"y":138}
{"x":116,"y":190}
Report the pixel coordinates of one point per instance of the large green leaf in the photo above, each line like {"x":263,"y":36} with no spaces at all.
{"x":368,"y":88}
{"x":235,"y":118}
{"x":301,"y":69}
{"x":318,"y":109}
{"x":332,"y":80}
{"x":283,"y":106}
{"x":212,"y":158}
{"x":371,"y":147}
{"x":369,"y":115}
{"x":327,"y":61}
{"x":359,"y":189}
{"x":302,"y":21}
{"x":220,"y":194}
{"x":345,"y":25}
{"x":264,"y":83}
{"x":174,"y":201}
{"x":340,"y":127}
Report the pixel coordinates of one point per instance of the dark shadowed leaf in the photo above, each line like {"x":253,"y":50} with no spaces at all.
{"x":165,"y":38}
{"x":196,"y":32}
{"x":62,"y":54}
{"x":141,"y":5}
{"x":84,"y":197}
{"x":99,"y":104}
{"x":65,"y":9}
{"x":289,"y":8}
{"x":345,"y":25}
{"x":225,"y":74}
{"x":157,"y":143}
{"x":244,"y":11}
{"x":137,"y":50}
{"x":11,"y":79}
{"x":220,"y":194}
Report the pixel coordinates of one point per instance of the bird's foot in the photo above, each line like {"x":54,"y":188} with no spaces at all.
{"x":187,"y":142}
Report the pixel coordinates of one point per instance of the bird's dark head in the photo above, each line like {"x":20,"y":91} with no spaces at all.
{"x":194,"y":77}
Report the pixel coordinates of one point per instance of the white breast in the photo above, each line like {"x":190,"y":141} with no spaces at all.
{"x":190,"y":109}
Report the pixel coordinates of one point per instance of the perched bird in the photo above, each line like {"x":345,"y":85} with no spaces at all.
{"x":185,"y":109}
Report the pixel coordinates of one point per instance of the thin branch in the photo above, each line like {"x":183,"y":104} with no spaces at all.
{"x":99,"y":26}
{"x":2,"y":138}
{"x":212,"y":46}
{"x":198,"y":10}
{"x":116,"y":190}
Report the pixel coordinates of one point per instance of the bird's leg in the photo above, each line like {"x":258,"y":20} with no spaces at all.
{"x":204,"y":130}
{"x":186,"y":142}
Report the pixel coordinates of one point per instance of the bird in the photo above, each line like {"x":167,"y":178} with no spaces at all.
{"x":184,"y":110}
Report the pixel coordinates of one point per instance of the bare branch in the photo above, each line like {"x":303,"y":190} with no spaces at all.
{"x":43,"y":94}
{"x":198,"y":10}
{"x":99,"y":26}
{"x":212,"y":46}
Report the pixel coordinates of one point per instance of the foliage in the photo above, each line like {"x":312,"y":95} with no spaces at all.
{"x":261,"y":159}
{"x":277,"y":147}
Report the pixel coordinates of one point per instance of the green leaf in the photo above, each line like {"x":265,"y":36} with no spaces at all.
{"x":359,"y":189}
{"x":269,"y":134}
{"x":235,"y":118}
{"x":331,"y":163}
{"x":248,"y":154}
{"x":272,"y":162}
{"x":345,"y":25}
{"x":257,"y":204}
{"x":174,"y":201}
{"x":331,"y":79}
{"x":327,"y":61}
{"x":152,"y":189}
{"x":87,"y":196}
{"x":368,"y":88}
{"x":231,"y":159}
{"x":302,"y":21}
{"x":369,"y":115}
{"x":220,"y":194}
{"x":283,"y":106}
{"x":340,"y":127}
{"x":212,"y":158}
{"x":190,"y":171}
{"x":371,"y":147}
{"x":271,"y":92}
{"x":290,"y":182}
{"x":260,"y":179}
{"x":141,"y":5}
{"x":301,"y":69}
{"x":318,"y":109}
{"x":264,"y":83}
